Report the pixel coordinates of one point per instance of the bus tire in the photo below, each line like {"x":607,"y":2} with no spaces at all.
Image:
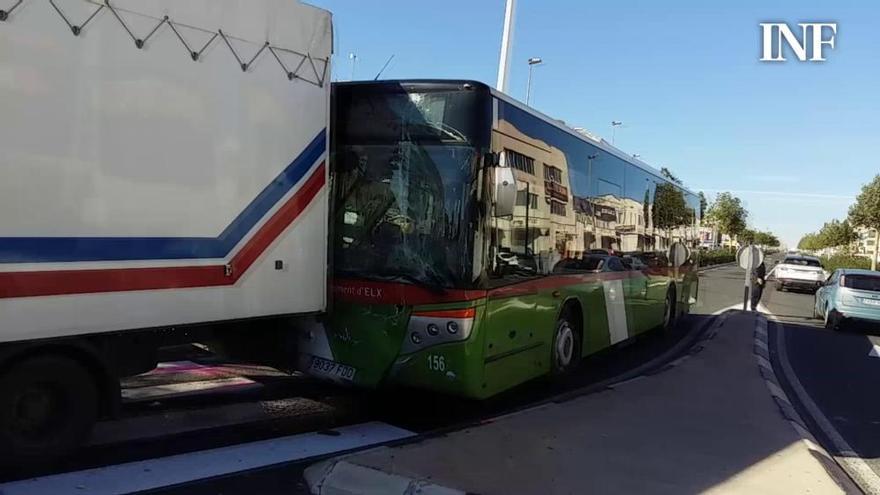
{"x":669,"y":309}
{"x":48,"y":406}
{"x":566,"y":343}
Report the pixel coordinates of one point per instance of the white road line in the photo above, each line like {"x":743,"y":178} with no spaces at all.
{"x":875,"y":351}
{"x":168,"y":390}
{"x":185,"y":468}
{"x":858,"y":469}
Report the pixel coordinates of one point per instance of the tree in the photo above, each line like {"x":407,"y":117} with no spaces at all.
{"x":809,"y":242}
{"x":866,"y":213}
{"x":748,"y":236}
{"x":670,"y":207}
{"x":835,"y":234}
{"x":727,"y":214}
{"x":703,"y":204}
{"x":766,"y":239}
{"x":665,"y":172}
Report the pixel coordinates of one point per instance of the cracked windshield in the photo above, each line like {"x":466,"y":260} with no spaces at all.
{"x":498,"y":247}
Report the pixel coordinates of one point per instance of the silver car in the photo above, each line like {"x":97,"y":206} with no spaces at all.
{"x":849,"y":296}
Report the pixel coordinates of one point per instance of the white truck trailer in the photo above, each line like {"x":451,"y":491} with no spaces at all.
{"x":162,"y":180}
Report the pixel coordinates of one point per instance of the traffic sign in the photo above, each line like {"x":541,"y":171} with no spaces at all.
{"x":749,"y":257}
{"x":678,"y":254}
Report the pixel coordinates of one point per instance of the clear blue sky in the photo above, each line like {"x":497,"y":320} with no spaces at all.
{"x":794,"y":140}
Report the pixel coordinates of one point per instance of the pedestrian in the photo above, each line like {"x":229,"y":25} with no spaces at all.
{"x":759,"y":280}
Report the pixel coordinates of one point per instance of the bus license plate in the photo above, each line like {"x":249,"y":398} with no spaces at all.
{"x":332,"y":369}
{"x":872,"y":302}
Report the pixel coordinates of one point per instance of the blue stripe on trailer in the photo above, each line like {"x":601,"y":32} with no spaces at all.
{"x":72,"y":249}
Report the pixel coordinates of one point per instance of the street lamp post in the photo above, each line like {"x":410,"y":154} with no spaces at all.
{"x":532,"y":63}
{"x":614,"y":125}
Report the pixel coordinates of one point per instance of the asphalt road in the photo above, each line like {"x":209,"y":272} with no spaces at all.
{"x":832,"y":381}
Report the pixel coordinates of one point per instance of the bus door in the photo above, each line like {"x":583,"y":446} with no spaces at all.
{"x":512,"y":340}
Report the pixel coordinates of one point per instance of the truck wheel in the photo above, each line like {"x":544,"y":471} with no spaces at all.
{"x":48,"y":406}
{"x":566,"y":345}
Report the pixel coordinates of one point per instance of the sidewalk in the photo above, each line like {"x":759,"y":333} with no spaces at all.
{"x":708,"y":424}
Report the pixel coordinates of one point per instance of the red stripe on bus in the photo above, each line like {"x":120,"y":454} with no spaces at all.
{"x":374,"y":292}
{"x":64,"y":282}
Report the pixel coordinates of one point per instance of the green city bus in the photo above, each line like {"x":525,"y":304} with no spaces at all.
{"x":477,"y":243}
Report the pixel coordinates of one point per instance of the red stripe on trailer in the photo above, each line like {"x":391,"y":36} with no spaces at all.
{"x":64,"y":282}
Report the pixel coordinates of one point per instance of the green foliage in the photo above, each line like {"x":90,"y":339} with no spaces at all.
{"x":831,"y":263}
{"x":810,"y":242}
{"x":766,"y":239}
{"x":866,"y":211}
{"x":728,"y":214}
{"x":717,"y":257}
{"x":833,"y":234}
{"x":670,"y":207}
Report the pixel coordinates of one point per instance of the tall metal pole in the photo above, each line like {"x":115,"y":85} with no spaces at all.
{"x":506,"y":43}
{"x":529,"y":85}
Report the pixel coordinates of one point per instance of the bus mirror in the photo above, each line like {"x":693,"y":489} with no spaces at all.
{"x":505,"y":191}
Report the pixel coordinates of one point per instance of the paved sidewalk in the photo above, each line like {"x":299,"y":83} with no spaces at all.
{"x":708,"y":424}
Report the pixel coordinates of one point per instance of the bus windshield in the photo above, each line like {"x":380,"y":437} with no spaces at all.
{"x":404,"y":188}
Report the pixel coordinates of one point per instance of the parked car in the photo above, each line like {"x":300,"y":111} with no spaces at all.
{"x":849,"y":296}
{"x":799,"y":272}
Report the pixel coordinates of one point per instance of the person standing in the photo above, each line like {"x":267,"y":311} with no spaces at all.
{"x":759,"y":280}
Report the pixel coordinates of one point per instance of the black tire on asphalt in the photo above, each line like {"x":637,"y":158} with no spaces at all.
{"x":566,"y":349}
{"x":48,"y":406}
{"x":780,"y":286}
{"x":832,"y":319}
{"x":669,"y":310}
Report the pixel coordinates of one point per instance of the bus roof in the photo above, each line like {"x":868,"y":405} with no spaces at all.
{"x":583,"y":136}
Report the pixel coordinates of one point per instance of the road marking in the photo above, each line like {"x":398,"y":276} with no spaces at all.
{"x":875,"y":351}
{"x":846,"y":456}
{"x":615,"y":309}
{"x":171,"y":390}
{"x":185,"y":468}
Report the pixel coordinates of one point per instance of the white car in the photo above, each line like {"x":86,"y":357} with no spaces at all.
{"x":799,"y":272}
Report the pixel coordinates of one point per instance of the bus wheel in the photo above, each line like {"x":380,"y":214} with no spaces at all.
{"x":566,"y":344}
{"x":48,"y":406}
{"x":669,"y":309}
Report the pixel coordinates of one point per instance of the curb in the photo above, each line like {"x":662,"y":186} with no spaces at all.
{"x":340,"y":477}
{"x":761,"y":350}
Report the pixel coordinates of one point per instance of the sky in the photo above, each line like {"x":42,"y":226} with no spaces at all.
{"x":794,"y":140}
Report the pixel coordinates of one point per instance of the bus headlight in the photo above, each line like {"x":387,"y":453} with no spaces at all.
{"x":457,"y":322}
